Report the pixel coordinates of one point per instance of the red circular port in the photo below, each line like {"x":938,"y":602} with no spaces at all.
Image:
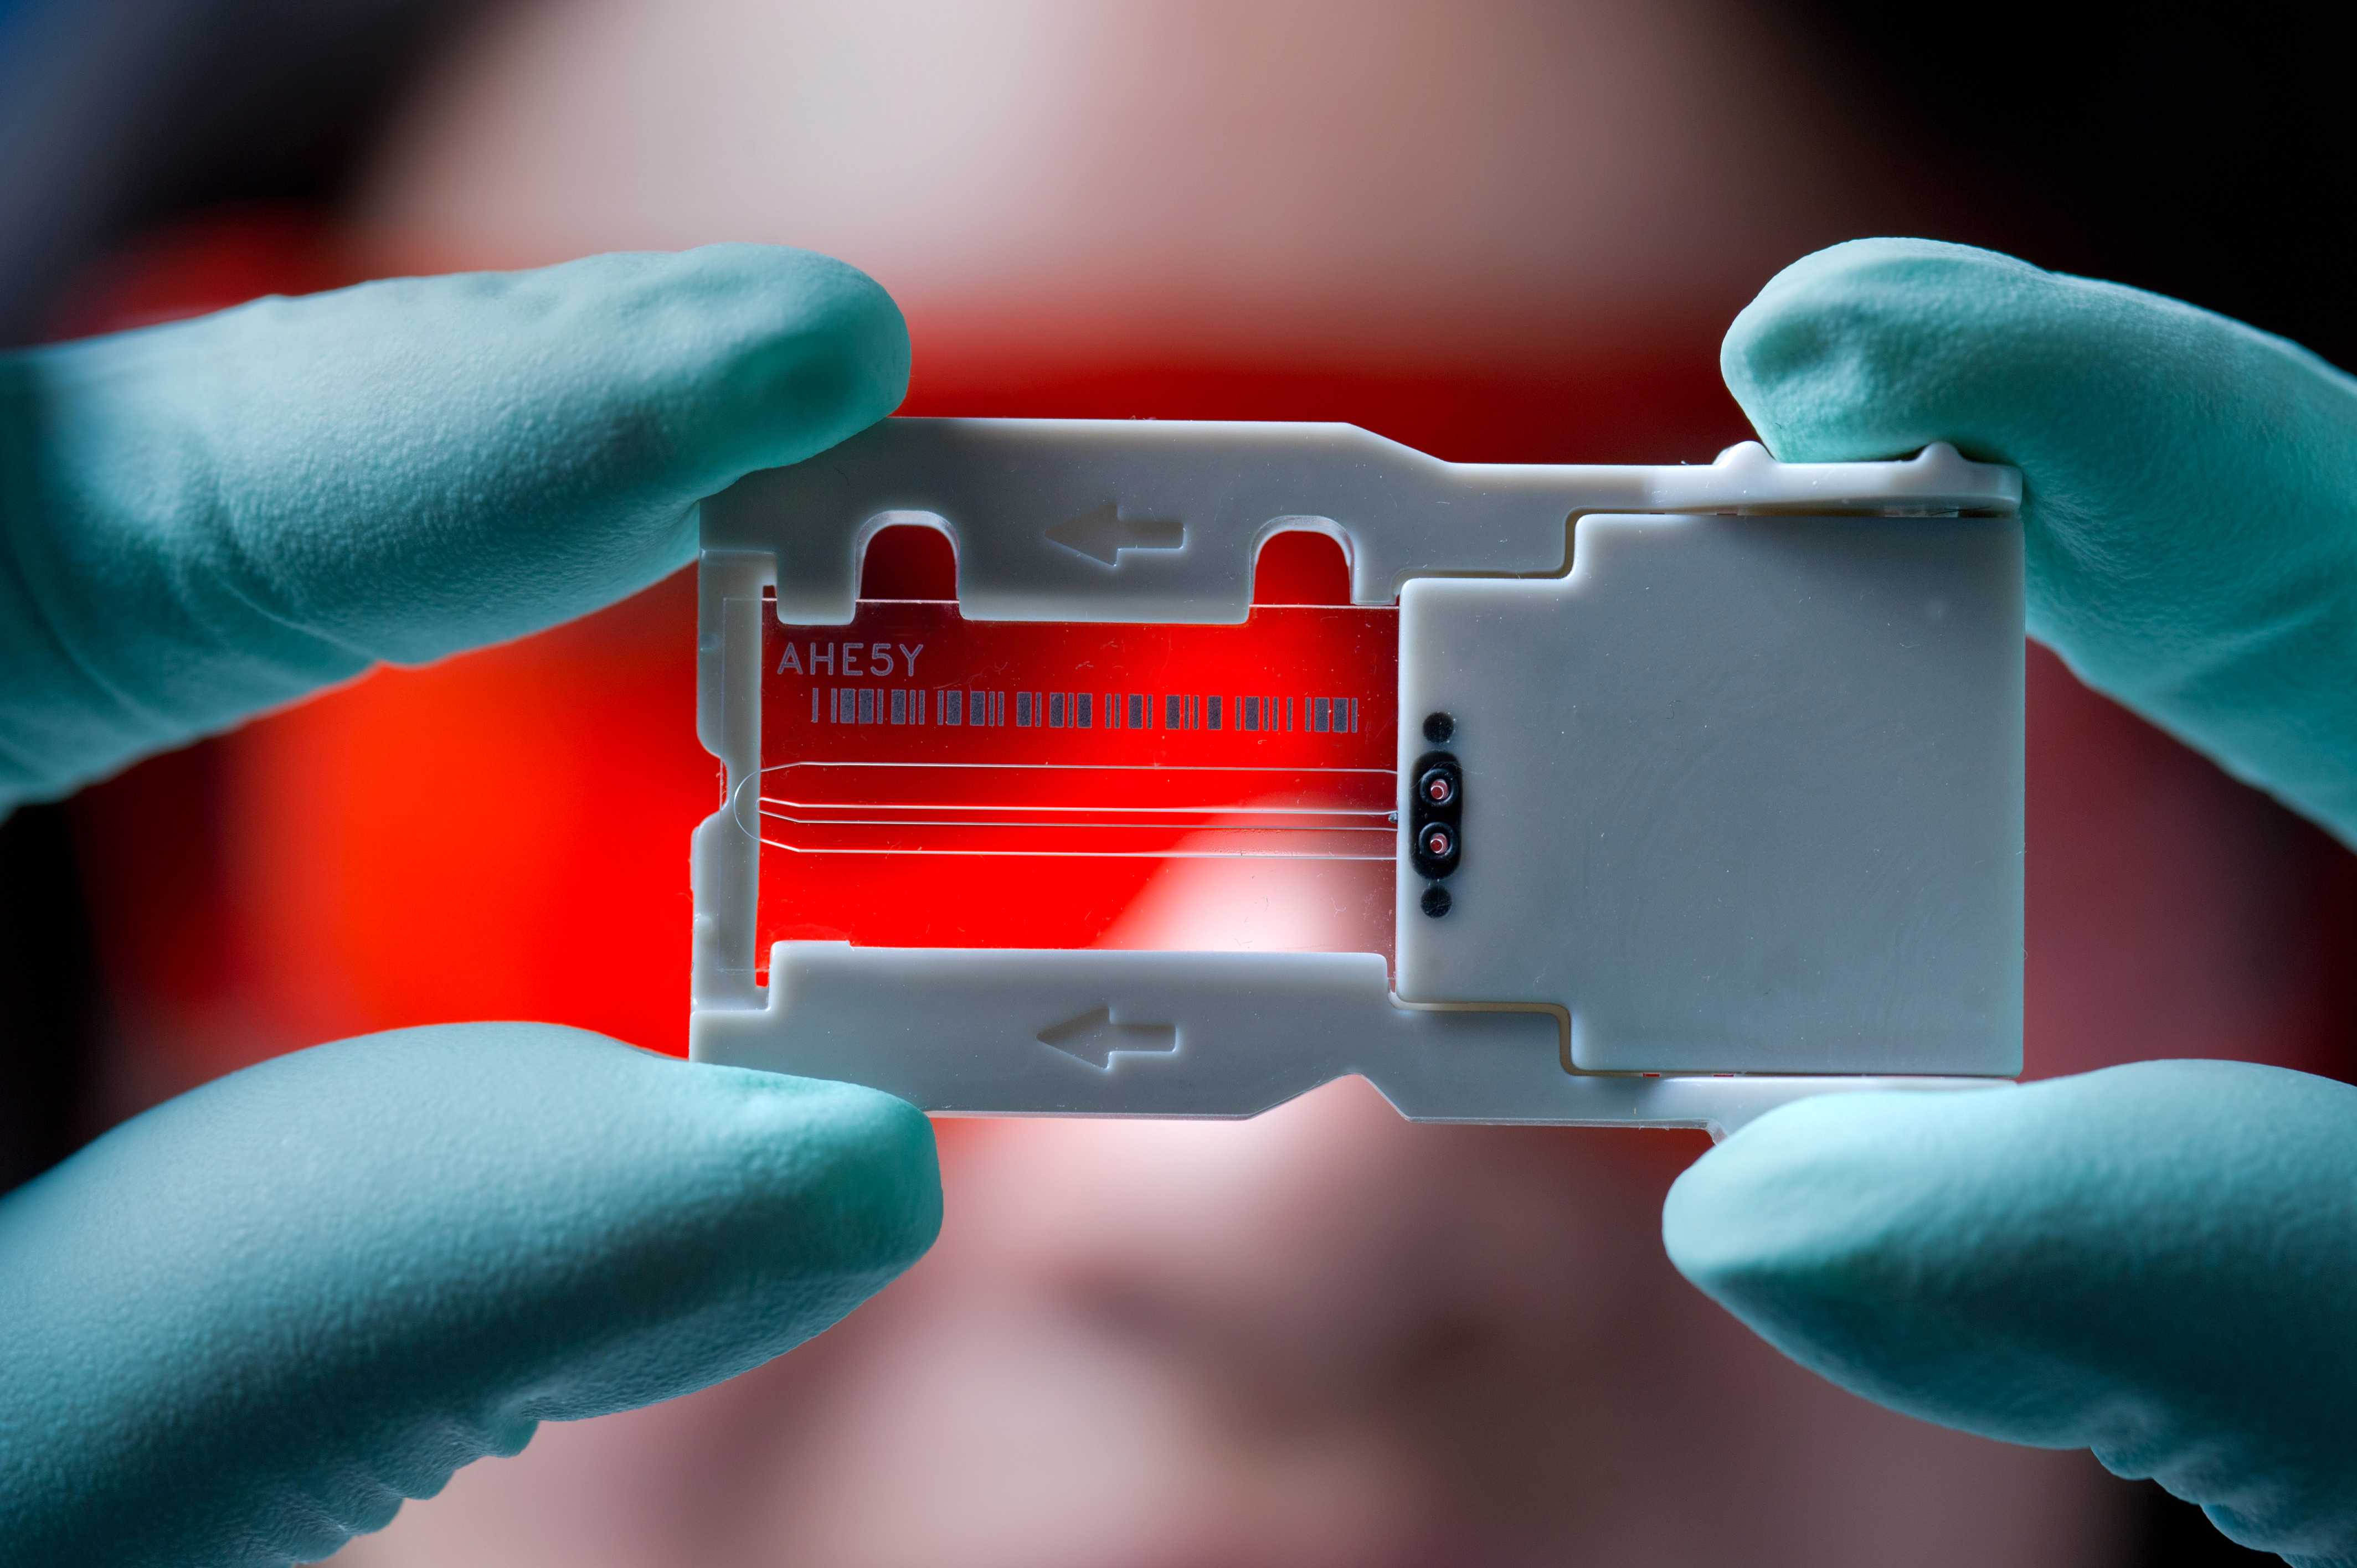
{"x":1438,"y":840}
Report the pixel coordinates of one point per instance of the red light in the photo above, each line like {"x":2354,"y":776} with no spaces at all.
{"x":931,"y":780}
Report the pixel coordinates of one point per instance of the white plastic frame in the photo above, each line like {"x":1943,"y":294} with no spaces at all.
{"x":1815,"y":570}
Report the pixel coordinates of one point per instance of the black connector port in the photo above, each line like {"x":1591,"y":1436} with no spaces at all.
{"x":1435,"y":816}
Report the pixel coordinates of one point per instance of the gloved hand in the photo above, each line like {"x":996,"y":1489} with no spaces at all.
{"x":244,"y":1325}
{"x":2155,"y":1262}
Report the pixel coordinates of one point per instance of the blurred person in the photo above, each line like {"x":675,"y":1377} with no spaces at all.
{"x":1161,"y":211}
{"x":1211,"y":1372}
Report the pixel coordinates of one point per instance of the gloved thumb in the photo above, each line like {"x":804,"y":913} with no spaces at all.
{"x":243,"y":1327}
{"x":2154,"y":1262}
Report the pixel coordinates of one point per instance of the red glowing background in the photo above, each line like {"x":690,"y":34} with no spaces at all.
{"x":503,"y":835}
{"x":1260,"y":755}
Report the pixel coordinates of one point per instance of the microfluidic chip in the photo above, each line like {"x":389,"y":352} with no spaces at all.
{"x":1652,"y":795}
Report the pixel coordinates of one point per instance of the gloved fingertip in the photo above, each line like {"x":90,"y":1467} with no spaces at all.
{"x":1853,"y":1232}
{"x":1821,"y":361}
{"x":794,"y":351}
{"x":1763,"y":1218}
{"x":869,"y":1156}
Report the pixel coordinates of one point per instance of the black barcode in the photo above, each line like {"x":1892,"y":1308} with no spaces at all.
{"x":907,"y":705}
{"x":1250,"y":712}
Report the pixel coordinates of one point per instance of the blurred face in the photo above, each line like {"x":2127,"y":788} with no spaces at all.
{"x":1325,"y":1336}
{"x":1321,"y":1336}
{"x":1386,"y":184}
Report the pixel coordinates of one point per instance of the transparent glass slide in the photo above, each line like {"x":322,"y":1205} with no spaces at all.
{"x":932,"y":781}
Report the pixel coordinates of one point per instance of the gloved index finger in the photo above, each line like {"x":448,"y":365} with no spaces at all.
{"x":2190,"y":483}
{"x":204,"y":520}
{"x":2152,"y":1262}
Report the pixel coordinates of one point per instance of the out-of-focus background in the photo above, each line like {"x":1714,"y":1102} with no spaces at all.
{"x":1492,"y":228}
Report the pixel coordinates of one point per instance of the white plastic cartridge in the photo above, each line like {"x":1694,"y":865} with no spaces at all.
{"x":1655,"y":795}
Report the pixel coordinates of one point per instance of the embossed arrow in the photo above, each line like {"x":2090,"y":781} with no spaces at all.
{"x":1093,"y":1036}
{"x":1101,"y":533}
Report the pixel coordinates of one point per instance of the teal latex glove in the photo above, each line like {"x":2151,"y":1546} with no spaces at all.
{"x":244,"y":1325}
{"x":2155,"y":1262}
